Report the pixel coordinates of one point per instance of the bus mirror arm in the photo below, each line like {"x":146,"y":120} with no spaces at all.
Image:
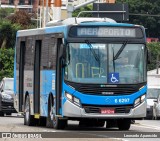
{"x":62,"y":54}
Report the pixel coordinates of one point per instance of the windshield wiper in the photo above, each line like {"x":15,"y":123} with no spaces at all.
{"x":113,"y":60}
{"x":93,"y":51}
{"x":120,"y":51}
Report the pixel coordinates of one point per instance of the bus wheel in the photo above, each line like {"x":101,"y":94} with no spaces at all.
{"x":100,"y":123}
{"x":59,"y":123}
{"x":49,"y":122}
{"x":124,"y":124}
{"x":28,"y":118}
{"x":111,"y":123}
{"x":8,"y":114}
{"x":1,"y":114}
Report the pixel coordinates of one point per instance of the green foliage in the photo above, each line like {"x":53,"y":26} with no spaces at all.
{"x":8,"y":33}
{"x":87,"y":8}
{"x":154,"y":48}
{"x":11,"y":23}
{"x":150,"y":7}
{"x":6,"y":62}
{"x":22,"y":18}
{"x":4,"y":12}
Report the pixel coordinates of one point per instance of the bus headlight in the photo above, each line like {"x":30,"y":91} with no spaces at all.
{"x":143,"y":97}
{"x":73,"y":99}
{"x":139,"y":100}
{"x":69,"y":96}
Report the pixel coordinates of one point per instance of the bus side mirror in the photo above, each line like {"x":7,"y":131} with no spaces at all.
{"x":62,"y":52}
{"x":148,"y":57}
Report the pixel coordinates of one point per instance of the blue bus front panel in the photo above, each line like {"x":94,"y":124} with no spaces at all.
{"x":91,"y":105}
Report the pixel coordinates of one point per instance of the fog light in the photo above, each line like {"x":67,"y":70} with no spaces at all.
{"x":76,"y":100}
{"x":137,"y":101}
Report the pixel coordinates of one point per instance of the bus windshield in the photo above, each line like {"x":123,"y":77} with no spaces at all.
{"x":94,"y":62}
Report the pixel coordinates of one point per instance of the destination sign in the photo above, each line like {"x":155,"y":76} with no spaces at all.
{"x":106,"y":32}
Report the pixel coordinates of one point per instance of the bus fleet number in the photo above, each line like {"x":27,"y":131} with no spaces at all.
{"x":122,"y":100}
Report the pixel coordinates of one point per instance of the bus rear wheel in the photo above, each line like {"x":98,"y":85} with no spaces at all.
{"x":124,"y":124}
{"x":28,"y":118}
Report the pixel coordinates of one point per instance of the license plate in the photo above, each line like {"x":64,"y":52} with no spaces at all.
{"x":107,"y":111}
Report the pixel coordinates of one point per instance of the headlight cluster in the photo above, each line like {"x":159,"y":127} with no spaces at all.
{"x":73,"y":99}
{"x":139,"y":100}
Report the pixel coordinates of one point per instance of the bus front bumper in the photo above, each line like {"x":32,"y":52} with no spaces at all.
{"x":72,"y":110}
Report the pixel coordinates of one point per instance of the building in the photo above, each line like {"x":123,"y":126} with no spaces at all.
{"x":20,"y":2}
{"x":152,"y":40}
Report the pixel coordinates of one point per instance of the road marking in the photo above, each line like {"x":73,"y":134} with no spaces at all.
{"x":147,"y":126}
{"x":49,"y":131}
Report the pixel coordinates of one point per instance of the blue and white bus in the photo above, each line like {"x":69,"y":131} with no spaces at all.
{"x":92,"y":70}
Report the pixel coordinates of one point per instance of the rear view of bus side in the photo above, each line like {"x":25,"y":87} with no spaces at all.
{"x":87,"y":69}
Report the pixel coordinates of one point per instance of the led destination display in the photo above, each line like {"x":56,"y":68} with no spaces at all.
{"x":106,"y":32}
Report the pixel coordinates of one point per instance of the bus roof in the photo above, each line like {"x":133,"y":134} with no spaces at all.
{"x":75,"y":20}
{"x":60,"y":26}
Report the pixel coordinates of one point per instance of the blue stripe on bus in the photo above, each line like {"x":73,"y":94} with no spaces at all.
{"x":122,"y":99}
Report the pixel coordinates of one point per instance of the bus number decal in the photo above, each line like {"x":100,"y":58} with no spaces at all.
{"x":122,"y":100}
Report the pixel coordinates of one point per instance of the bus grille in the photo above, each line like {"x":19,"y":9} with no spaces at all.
{"x":98,"y":89}
{"x":97,"y":109}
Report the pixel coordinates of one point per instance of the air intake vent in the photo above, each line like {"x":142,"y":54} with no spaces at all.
{"x":97,"y":109}
{"x":97,"y":89}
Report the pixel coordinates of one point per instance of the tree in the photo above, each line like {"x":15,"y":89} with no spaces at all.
{"x":8,"y":34}
{"x":11,"y":23}
{"x":150,"y":7}
{"x":6,"y":62}
{"x":4,"y":12}
{"x":22,"y":18}
{"x":86,"y":8}
{"x":155,"y":51}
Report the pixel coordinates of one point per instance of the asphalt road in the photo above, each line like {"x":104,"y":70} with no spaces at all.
{"x":150,"y":129}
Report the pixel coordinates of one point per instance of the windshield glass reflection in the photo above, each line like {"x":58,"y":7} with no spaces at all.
{"x":98,"y":63}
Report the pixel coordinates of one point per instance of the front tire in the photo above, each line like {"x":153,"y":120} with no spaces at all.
{"x":8,"y":114}
{"x":111,"y":123}
{"x":59,"y":123}
{"x":1,"y":114}
{"x":124,"y":124}
{"x":52,"y":119}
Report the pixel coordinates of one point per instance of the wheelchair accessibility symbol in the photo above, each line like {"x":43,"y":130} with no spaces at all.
{"x":113,"y":77}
